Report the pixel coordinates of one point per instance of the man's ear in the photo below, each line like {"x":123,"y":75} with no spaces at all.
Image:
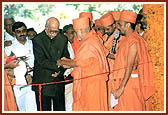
{"x":45,"y":28}
{"x":128,"y":25}
{"x":137,"y":27}
{"x":14,"y":33}
{"x":66,"y":34}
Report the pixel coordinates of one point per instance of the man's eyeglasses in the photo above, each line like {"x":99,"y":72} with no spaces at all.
{"x":54,"y":31}
{"x":20,"y":31}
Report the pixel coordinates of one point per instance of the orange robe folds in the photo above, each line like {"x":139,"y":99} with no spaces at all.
{"x":147,"y":87}
{"x":75,"y":45}
{"x":108,"y":45}
{"x":9,"y":100}
{"x":139,"y":88}
{"x":99,"y":36}
{"x":90,"y":77}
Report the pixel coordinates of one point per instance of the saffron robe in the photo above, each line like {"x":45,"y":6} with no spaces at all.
{"x":9,"y":99}
{"x":75,"y":45}
{"x":90,"y":77}
{"x":139,"y":88}
{"x":108,"y":44}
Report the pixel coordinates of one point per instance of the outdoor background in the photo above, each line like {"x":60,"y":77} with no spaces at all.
{"x":35,"y":15}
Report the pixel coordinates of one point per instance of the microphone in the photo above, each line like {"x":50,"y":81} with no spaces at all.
{"x":116,"y":36}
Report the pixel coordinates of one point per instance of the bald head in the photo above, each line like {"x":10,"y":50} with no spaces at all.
{"x":51,"y":22}
{"x":52,"y":27}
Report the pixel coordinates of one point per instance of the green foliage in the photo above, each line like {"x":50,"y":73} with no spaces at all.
{"x":12,"y":9}
{"x":120,"y":7}
{"x":38,"y":13}
{"x":45,"y":9}
{"x":26,"y":13}
{"x":75,"y":5}
{"x":136,"y":8}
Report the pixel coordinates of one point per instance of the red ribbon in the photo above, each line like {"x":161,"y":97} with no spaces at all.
{"x":10,"y":58}
{"x":40,"y":86}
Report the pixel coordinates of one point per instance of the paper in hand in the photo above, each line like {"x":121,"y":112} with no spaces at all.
{"x":113,"y":101}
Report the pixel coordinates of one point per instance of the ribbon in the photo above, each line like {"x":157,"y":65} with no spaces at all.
{"x":40,"y":86}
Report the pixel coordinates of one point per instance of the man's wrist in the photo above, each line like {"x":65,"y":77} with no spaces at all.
{"x":122,"y":86}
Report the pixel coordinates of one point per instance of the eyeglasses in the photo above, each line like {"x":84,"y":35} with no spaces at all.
{"x":54,"y":31}
{"x":20,"y":31}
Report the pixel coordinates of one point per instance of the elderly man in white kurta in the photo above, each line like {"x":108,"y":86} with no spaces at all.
{"x":21,"y":46}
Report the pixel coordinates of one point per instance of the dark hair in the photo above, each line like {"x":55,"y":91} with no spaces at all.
{"x":90,"y":24}
{"x":138,"y":21}
{"x":133,"y":26}
{"x":139,"y":17}
{"x":17,"y":25}
{"x":66,"y":27}
{"x":31,"y":29}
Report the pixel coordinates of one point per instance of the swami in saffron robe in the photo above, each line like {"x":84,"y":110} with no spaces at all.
{"x":90,"y":77}
{"x":140,"y":86}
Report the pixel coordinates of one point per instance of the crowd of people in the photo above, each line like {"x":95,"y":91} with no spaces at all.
{"x":100,"y":65}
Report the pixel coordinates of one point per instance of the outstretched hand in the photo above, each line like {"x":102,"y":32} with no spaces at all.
{"x":59,"y":62}
{"x":118,"y":92}
{"x":12,"y":64}
{"x":55,"y":74}
{"x":66,"y":59}
{"x":66,"y":63}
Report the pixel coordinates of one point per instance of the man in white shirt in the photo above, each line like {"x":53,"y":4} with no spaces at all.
{"x":8,"y":34}
{"x":21,"y":46}
{"x":69,"y":33}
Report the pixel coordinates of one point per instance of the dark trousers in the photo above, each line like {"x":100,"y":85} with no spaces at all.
{"x":58,"y":102}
